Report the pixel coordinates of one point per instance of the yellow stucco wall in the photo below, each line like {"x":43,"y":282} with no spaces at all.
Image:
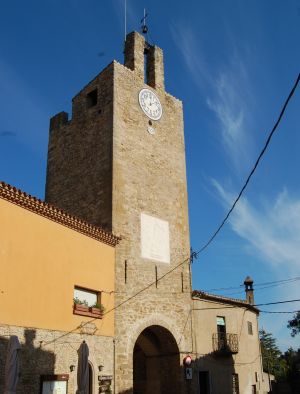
{"x":41,"y":262}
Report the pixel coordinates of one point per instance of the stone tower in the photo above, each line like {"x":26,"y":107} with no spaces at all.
{"x":119,"y":163}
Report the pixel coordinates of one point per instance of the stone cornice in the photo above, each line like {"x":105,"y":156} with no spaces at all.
{"x":39,"y":207}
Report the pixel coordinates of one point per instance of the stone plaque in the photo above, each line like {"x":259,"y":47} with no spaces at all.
{"x":155,"y":242}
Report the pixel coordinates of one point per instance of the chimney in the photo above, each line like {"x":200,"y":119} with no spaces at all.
{"x":248,"y":282}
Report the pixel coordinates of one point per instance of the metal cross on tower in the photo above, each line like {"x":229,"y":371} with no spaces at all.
{"x":144,"y":27}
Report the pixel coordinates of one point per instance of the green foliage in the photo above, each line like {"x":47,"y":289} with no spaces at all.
{"x":99,"y":306}
{"x":292,"y":358}
{"x":294,"y":324}
{"x":271,"y":355}
{"x":80,"y":302}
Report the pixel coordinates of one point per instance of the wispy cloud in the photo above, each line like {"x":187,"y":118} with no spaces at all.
{"x":230,"y":108}
{"x":272,"y":232}
{"x":189,"y":46}
{"x":273,"y":229}
{"x":228,"y":94}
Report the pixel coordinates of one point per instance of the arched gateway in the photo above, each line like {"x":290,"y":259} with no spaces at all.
{"x":156,"y":362}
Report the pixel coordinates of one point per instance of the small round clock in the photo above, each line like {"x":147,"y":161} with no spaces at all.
{"x":150,"y":104}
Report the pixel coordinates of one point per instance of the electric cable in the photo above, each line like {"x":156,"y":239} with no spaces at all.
{"x":277,"y":302}
{"x":195,"y":254}
{"x":253,"y":169}
{"x":255,"y":285}
{"x":246,"y":305}
{"x":278,"y":311}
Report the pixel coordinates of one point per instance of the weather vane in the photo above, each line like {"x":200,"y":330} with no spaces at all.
{"x":144,"y":27}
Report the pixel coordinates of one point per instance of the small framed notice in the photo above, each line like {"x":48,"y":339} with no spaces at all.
{"x":155,"y":240}
{"x":54,"y":384}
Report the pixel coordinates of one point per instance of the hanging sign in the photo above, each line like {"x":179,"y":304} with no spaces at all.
{"x":189,"y":373}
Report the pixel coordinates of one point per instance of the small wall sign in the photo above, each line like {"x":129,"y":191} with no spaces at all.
{"x":188,"y":373}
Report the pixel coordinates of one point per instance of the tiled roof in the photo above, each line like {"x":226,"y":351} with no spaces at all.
{"x":33,"y":204}
{"x":218,"y":298}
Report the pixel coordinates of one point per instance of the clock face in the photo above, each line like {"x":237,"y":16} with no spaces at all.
{"x":150,"y":104}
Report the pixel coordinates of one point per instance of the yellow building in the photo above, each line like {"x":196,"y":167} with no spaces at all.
{"x":48,"y":260}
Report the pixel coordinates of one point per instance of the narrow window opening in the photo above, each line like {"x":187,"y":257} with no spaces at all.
{"x":146,"y":65}
{"x":92,"y":98}
{"x":221,"y":332}
{"x":221,"y":325}
{"x":250,"y":328}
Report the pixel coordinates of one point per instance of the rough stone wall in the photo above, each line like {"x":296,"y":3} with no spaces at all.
{"x":107,"y":169}
{"x":79,"y":172}
{"x":148,"y":176}
{"x":46,"y":352}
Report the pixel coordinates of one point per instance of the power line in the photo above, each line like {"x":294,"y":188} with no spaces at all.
{"x":262,"y":288}
{"x":246,"y":305}
{"x":278,"y":311}
{"x":253,"y":169}
{"x":257,"y":285}
{"x":195,"y":254}
{"x":277,"y":302}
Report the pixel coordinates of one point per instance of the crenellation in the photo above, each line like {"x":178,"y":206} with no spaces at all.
{"x":58,"y":120}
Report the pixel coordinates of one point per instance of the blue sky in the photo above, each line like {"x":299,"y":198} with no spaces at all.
{"x":233,"y":64}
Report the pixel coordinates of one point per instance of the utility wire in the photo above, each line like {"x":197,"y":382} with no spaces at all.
{"x":246,"y":305}
{"x":195,"y":254}
{"x":260,"y":288}
{"x":253,"y":169}
{"x":256,"y":285}
{"x":278,"y":311}
{"x":277,"y":302}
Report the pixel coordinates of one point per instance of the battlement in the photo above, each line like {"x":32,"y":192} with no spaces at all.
{"x":146,"y":60}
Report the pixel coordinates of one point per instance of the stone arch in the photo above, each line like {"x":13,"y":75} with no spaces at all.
{"x":156,"y":362}
{"x":155,"y":320}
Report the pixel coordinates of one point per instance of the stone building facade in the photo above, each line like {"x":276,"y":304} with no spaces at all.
{"x":227,"y":357}
{"x":118,"y":166}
